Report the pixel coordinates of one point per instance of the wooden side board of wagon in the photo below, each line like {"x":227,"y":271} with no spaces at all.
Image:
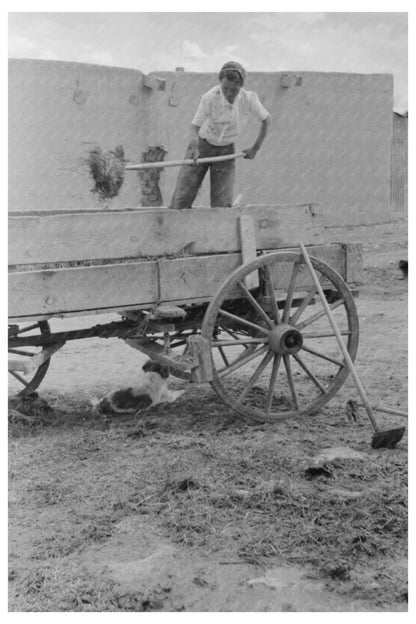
{"x":37,"y":238}
{"x":81,"y":263}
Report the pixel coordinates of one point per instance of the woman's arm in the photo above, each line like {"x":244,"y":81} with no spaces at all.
{"x":252,"y":151}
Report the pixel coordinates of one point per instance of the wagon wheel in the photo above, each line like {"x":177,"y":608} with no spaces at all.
{"x":29,"y":385}
{"x":272,"y":356}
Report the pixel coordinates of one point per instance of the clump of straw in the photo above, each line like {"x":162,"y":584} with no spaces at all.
{"x":107,"y":170}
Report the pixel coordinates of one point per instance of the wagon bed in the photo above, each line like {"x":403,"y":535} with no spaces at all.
{"x":68,"y":264}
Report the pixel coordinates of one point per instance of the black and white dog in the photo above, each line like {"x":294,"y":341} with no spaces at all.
{"x":152,"y":390}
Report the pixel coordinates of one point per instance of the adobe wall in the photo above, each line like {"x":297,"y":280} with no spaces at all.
{"x":329,"y":140}
{"x":57,"y":113}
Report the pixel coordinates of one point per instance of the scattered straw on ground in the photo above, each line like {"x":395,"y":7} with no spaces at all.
{"x":237,"y":492}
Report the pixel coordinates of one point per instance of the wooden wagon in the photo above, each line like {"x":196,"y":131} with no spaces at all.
{"x":221,"y":295}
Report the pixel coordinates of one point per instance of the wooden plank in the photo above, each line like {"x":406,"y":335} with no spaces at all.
{"x":354,"y":270}
{"x":248,"y":247}
{"x":92,"y":235}
{"x":117,"y":286}
{"x":76,"y":289}
{"x":200,"y":277}
{"x":121,"y":285}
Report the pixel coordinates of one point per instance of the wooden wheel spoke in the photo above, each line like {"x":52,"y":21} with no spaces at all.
{"x":248,"y":350}
{"x":290,"y":292}
{"x":323,"y":356}
{"x":318,"y":315}
{"x":242,"y":321}
{"x":272,"y":297}
{"x":269,"y":398}
{"x":32,"y":378}
{"x":306,"y":301}
{"x":239,"y":341}
{"x":256,"y":305}
{"x":238,"y":336}
{"x":343,"y":332}
{"x":20,"y":378}
{"x":286,"y":361}
{"x":242,"y":361}
{"x":224,"y":357}
{"x":230,"y":333}
{"x":20,"y":352}
{"x":309,"y":373}
{"x":255,"y":376}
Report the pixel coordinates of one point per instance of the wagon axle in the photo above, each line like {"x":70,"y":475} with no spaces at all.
{"x":119,"y":329}
{"x":285,"y":339}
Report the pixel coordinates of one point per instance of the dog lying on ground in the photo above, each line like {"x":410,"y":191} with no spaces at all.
{"x":152,"y":390}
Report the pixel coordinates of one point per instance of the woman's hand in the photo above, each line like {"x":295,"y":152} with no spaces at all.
{"x":194,"y":143}
{"x":194,"y":151}
{"x":250,"y":152}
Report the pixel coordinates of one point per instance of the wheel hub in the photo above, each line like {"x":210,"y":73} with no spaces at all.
{"x":285,"y":339}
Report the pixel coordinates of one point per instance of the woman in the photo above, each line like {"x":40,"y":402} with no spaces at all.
{"x":214,"y":128}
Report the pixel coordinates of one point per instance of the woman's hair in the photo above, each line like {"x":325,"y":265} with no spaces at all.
{"x":233,"y":71}
{"x":232,"y":75}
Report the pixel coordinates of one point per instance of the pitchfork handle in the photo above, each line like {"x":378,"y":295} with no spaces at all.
{"x":176,"y":163}
{"x":338,"y":336}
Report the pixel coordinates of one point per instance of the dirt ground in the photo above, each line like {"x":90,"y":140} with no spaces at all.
{"x":187,"y":508}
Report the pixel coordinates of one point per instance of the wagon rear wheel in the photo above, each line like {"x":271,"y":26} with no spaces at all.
{"x":275,"y":355}
{"x":27,"y":385}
